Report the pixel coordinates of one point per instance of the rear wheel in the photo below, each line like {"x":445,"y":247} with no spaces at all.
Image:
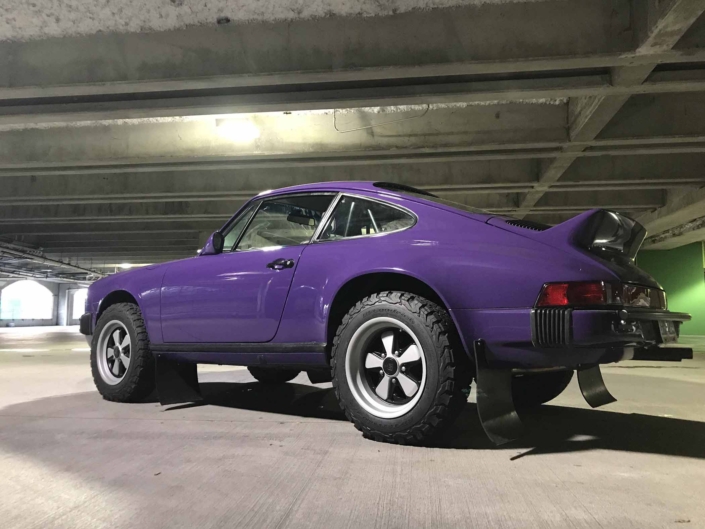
{"x":530,"y":390}
{"x":271,"y":375}
{"x":121,"y":361}
{"x":398,"y":368}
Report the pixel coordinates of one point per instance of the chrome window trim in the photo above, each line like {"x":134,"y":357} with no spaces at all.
{"x":324,"y":218}
{"x":413,"y":215}
{"x":247,"y":224}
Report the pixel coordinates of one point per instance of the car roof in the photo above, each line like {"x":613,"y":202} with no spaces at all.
{"x":355,"y":185}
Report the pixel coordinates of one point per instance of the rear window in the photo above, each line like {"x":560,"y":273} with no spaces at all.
{"x":357,"y":217}
{"x":420,"y":193}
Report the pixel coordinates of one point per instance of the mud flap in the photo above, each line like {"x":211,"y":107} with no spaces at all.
{"x":593,"y":387}
{"x":495,"y":405}
{"x":177,"y":382}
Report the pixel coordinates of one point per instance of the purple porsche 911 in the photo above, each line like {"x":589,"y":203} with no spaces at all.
{"x":398,"y":297}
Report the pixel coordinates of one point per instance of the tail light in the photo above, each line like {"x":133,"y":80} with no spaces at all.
{"x":595,"y":293}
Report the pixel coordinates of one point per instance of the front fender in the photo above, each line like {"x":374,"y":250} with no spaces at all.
{"x":142,"y":286}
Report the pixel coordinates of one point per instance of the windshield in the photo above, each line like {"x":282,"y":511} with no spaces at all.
{"x":408,"y":190}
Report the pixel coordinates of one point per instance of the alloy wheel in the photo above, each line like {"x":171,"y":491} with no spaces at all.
{"x":386,"y":367}
{"x":114,"y":351}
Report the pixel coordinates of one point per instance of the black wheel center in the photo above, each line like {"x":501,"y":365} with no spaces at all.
{"x":116,"y":352}
{"x":390,"y":366}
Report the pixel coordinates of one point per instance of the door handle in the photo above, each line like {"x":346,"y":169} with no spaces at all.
{"x":281,"y":264}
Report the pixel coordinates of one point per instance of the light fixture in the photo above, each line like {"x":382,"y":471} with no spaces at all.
{"x":125,"y":266}
{"x":239,"y":130}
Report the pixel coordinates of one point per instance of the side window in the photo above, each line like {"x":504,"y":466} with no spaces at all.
{"x":232,"y":232}
{"x":285,"y":221}
{"x":355,"y":216}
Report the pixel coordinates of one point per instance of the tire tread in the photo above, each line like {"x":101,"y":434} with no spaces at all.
{"x":139,"y":382}
{"x":454,"y":369}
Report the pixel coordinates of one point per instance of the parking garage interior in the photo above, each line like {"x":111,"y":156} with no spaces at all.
{"x":129,"y":132}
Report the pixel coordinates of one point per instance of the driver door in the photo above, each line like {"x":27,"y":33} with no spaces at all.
{"x":239,"y":295}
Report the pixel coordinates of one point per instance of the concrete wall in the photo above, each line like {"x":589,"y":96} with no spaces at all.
{"x":681,"y":272}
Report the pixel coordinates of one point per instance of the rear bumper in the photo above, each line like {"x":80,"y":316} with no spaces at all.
{"x":542,"y":338}
{"x":600,"y":327}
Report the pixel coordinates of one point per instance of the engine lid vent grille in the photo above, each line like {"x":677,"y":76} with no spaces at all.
{"x":527,"y":224}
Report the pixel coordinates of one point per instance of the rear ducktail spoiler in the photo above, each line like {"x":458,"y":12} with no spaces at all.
{"x":599,"y":231}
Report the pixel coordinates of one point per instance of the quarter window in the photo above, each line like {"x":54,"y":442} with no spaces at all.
{"x":285,"y":221}
{"x":355,"y":217}
{"x":232,"y":233}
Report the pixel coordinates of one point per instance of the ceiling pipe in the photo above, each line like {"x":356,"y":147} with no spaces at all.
{"x":17,"y":251}
{"x":14,"y":275}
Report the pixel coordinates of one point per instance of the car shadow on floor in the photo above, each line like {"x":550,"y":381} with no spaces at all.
{"x":549,"y":429}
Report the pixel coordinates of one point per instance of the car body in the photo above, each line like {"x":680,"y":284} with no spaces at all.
{"x":277,"y":300}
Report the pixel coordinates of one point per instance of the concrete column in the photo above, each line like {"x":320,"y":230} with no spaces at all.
{"x":62,"y":310}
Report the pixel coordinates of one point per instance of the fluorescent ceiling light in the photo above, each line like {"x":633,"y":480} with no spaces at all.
{"x":125,"y":266}
{"x":237,"y":130}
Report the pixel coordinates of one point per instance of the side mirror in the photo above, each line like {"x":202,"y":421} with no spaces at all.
{"x":214,"y":244}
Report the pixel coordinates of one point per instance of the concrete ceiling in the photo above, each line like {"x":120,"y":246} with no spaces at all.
{"x":129,"y":136}
{"x":60,"y":18}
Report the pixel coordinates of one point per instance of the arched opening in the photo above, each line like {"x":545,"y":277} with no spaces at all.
{"x":26,"y":300}
{"x":78,"y":306}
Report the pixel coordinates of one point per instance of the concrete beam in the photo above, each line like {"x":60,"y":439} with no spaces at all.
{"x":123,"y":256}
{"x":583,"y":87}
{"x":123,"y":253}
{"x":109,"y":238}
{"x":221,"y":210}
{"x":465,"y":40}
{"x":18,"y":230}
{"x":478,"y":132}
{"x":243,"y":184}
{"x":289,"y":135}
{"x":662,"y":24}
{"x":690,"y":232}
{"x":446,"y":179}
{"x":681,"y":208}
{"x":156,"y":244}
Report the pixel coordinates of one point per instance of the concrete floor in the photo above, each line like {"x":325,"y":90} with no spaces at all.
{"x":286,"y":457}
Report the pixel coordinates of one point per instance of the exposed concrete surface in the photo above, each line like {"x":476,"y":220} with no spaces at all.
{"x":58,"y":18}
{"x":286,"y":457}
{"x":126,"y":118}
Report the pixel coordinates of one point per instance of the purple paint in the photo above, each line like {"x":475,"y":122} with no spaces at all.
{"x":488,"y":273}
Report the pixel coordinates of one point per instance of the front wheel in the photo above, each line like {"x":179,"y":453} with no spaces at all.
{"x":398,"y":368}
{"x":121,"y":361}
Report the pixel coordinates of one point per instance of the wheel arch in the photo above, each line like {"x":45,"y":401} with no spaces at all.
{"x":363,"y":285}
{"x":113,"y":298}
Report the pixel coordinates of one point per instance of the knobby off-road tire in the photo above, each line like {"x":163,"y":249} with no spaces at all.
{"x":134,"y":382}
{"x":447,"y":369}
{"x":270,"y":375}
{"x":532,"y":390}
